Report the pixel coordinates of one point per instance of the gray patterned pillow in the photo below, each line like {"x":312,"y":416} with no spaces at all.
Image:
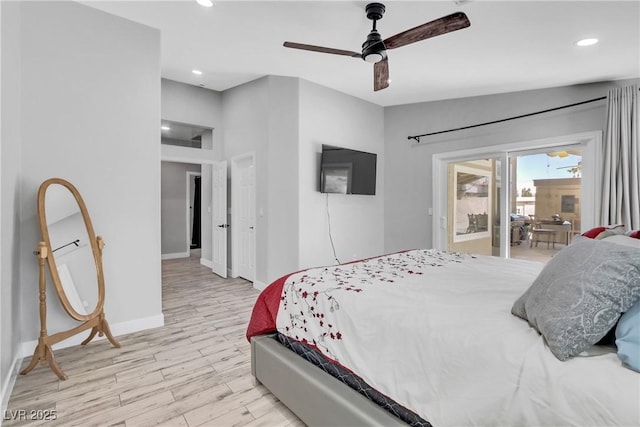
{"x":579,"y":295}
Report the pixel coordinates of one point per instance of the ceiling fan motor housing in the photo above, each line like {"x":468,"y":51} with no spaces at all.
{"x":373,"y":49}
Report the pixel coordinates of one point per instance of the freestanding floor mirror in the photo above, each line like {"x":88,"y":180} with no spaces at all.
{"x":73,"y":254}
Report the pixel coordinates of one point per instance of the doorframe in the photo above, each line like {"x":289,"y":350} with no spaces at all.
{"x":198,"y":156}
{"x":235,"y":236}
{"x":589,"y":142}
{"x":190,"y":175}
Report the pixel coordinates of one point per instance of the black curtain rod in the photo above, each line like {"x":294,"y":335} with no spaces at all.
{"x":417,"y":137}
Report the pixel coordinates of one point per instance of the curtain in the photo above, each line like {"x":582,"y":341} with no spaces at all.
{"x":621,"y":156}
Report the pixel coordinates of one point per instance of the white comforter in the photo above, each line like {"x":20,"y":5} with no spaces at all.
{"x":434,"y":332}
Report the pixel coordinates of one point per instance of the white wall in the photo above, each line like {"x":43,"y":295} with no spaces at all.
{"x":357,"y":221}
{"x":408,"y":192}
{"x":174,"y":208}
{"x":197,"y":106}
{"x":90,"y":113}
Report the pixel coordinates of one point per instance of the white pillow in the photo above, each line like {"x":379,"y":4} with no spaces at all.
{"x":621,"y":239}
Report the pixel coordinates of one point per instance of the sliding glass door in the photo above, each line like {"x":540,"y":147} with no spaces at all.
{"x":474,"y":206}
{"x":497,"y":201}
{"x":547,"y":202}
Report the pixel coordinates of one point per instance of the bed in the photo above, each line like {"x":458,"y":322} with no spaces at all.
{"x":439,"y":338}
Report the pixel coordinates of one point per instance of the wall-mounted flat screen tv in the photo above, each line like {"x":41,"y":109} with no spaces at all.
{"x":347,"y":171}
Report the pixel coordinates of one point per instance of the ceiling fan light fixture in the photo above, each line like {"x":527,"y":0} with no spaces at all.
{"x":373,"y":57}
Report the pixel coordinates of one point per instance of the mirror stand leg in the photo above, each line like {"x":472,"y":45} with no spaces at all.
{"x":93,"y":333}
{"x":43,"y":352}
{"x":104,"y":326}
{"x":51,"y":360}
{"x":44,"y":355}
{"x":102,"y":329}
{"x":34,"y":361}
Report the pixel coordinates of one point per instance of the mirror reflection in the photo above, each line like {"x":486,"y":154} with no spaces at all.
{"x":71,"y":249}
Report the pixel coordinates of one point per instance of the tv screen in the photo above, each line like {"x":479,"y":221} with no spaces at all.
{"x":347,"y":171}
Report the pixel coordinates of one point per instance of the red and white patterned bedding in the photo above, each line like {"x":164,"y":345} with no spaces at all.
{"x":433,"y":331}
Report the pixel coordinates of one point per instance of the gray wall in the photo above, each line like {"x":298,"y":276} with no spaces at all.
{"x":260,"y":117}
{"x":173,"y":213}
{"x":10,"y":249}
{"x":408,"y":192}
{"x":357,"y":221}
{"x":285,"y":121}
{"x":84,"y":106}
{"x":197,"y":106}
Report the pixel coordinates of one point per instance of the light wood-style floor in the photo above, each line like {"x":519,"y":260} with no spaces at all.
{"x":194,"y":371}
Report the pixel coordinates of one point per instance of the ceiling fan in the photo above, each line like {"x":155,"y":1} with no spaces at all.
{"x":374,"y":49}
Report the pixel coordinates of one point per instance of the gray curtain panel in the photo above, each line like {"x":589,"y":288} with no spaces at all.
{"x":621,"y":178}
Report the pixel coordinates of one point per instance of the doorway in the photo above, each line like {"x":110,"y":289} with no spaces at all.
{"x":176,"y":206}
{"x":546,"y":201}
{"x":194,"y":206}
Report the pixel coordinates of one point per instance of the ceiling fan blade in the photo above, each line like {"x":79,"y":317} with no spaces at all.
{"x":322,"y":49}
{"x":381,"y":75}
{"x":446,"y":24}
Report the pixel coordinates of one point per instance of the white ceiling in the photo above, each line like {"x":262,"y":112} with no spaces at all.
{"x":510,"y":45}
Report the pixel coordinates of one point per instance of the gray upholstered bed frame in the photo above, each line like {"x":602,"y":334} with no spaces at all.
{"x":314,"y":396}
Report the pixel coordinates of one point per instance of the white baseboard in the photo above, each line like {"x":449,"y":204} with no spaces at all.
{"x":259,"y":285}
{"x":26,"y":348}
{"x":175,"y":255}
{"x":206,"y":262}
{"x":7,"y":387}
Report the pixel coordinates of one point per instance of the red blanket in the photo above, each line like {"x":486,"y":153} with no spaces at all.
{"x":265,"y":310}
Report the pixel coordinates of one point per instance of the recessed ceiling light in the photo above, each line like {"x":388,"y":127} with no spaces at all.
{"x":197,"y":72}
{"x":205,"y":3}
{"x":587,"y":42}
{"x":165,"y":128}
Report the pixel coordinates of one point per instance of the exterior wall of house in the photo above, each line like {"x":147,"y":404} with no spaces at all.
{"x":550,"y":194}
{"x":409,"y":195}
{"x":89,"y":103}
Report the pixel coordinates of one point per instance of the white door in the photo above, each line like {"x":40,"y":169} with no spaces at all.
{"x":245,"y":197}
{"x":219,"y":218}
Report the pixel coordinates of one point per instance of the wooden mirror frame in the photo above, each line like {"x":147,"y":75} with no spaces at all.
{"x":96,"y":319}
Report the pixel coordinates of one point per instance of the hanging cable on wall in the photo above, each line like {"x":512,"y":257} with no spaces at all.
{"x":331,"y":238}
